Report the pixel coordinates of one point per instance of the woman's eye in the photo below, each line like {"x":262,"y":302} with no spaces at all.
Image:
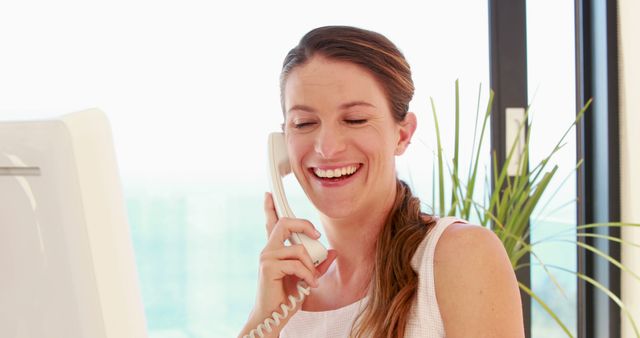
{"x":302,"y":125}
{"x":360,"y":121}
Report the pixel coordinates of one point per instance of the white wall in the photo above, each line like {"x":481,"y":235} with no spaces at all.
{"x":629,"y":54}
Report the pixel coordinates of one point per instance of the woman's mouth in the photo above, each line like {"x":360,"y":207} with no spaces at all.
{"x":336,"y":174}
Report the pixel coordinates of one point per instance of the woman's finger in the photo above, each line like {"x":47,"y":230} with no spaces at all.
{"x":285,"y":227}
{"x":275,"y":270}
{"x":290,"y":253}
{"x":270,"y":213}
{"x":293,"y":267}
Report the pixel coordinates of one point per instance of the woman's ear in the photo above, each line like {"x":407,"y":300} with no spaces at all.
{"x":407,"y":128}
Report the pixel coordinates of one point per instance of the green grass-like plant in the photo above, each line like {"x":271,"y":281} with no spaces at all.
{"x":508,"y":207}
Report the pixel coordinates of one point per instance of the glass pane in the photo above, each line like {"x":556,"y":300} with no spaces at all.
{"x":551,"y":81}
{"x":199,"y":242}
{"x":191,"y":89}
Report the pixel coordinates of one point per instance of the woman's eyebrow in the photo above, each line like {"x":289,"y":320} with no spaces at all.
{"x":355,"y":104}
{"x":343,"y":106}
{"x":302,"y":107}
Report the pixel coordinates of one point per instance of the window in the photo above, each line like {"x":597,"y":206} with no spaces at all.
{"x":551,"y":83}
{"x":207,"y":98}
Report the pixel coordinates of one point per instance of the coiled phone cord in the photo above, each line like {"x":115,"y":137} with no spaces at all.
{"x":303,"y":291}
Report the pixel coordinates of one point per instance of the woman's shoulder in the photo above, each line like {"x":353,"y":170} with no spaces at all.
{"x":444,"y":234}
{"x":470,"y":237}
{"x":468,"y":251}
{"x":473,"y":275}
{"x":464,"y":247}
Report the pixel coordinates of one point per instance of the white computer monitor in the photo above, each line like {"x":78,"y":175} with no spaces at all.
{"x":67,"y":266}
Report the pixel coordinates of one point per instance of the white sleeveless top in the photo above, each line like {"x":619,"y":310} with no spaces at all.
{"x":424,"y":317}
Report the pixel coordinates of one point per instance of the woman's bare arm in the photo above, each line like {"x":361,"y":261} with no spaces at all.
{"x":476,"y":287}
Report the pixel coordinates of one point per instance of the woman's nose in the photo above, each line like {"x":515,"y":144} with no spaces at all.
{"x":329,"y":142}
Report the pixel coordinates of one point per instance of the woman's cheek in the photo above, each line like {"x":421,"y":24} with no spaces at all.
{"x":296,"y":152}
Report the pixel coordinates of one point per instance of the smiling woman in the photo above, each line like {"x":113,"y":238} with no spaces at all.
{"x":394,"y":271}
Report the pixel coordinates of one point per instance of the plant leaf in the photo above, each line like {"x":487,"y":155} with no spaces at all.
{"x":545,"y":307}
{"x":440,"y":167}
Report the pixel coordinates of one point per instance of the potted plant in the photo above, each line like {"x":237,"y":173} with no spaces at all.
{"x":507,"y":208}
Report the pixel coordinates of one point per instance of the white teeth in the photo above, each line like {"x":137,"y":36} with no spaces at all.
{"x":330,"y":173}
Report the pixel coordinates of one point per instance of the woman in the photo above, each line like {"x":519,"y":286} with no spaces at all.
{"x":345,"y":95}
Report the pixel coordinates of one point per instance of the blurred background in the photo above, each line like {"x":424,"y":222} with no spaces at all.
{"x":191,"y":90}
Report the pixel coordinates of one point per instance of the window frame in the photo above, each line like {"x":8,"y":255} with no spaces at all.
{"x":598,"y":179}
{"x":599,"y":176}
{"x":508,"y":56}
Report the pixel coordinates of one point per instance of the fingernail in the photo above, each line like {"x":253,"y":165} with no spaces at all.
{"x":316,"y":232}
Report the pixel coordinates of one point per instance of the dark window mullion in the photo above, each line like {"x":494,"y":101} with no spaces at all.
{"x":508,"y":55}
{"x":598,"y":178}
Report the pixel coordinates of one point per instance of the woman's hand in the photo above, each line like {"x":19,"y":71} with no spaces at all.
{"x":281,"y":267}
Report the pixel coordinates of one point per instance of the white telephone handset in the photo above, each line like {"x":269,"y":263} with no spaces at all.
{"x":279,"y":167}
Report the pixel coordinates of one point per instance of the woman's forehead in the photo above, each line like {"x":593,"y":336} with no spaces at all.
{"x":332,"y":84}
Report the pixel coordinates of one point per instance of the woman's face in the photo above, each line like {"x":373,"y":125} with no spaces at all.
{"x":341,"y":137}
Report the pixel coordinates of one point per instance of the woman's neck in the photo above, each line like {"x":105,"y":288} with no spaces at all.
{"x":354,"y":238}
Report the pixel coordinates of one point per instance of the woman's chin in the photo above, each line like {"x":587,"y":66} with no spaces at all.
{"x":334,"y":211}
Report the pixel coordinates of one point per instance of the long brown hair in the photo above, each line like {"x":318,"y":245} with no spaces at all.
{"x":394,"y":283}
